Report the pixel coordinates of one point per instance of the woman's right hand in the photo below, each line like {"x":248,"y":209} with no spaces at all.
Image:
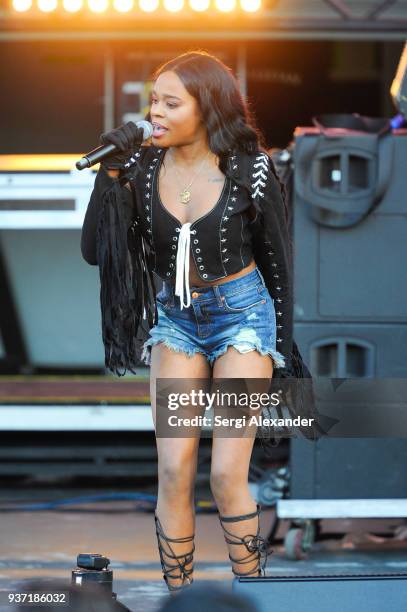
{"x":126,"y":138}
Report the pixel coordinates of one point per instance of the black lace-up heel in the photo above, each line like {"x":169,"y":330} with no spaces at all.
{"x":181,"y":560}
{"x":256,"y":545}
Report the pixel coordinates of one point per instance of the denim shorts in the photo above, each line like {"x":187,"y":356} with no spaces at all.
{"x":238,"y":313}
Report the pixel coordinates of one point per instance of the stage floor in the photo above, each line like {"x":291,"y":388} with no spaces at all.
{"x":45,"y":545}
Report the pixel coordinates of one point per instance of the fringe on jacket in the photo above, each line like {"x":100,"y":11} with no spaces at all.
{"x":127,"y":288}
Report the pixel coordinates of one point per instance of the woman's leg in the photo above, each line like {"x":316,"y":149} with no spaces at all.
{"x":231,"y":456}
{"x":177,"y":460}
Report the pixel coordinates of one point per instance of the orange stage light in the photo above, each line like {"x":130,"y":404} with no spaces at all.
{"x":22,"y":5}
{"x":173,"y":6}
{"x":225,"y":6}
{"x":47,"y":6}
{"x":199,"y":5}
{"x":149,"y":6}
{"x":98,"y":6}
{"x":250,"y":6}
{"x":123,"y":6}
{"x":72,"y":6}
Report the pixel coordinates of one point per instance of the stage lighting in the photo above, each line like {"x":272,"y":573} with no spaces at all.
{"x":225,"y":5}
{"x":72,"y":6}
{"x":173,"y":5}
{"x":22,"y":5}
{"x":250,"y":6}
{"x":46,"y":6}
{"x":123,"y":6}
{"x":148,"y":6}
{"x":98,"y":6}
{"x":199,"y":5}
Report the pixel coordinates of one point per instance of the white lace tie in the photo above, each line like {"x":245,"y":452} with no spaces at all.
{"x":182,"y":274}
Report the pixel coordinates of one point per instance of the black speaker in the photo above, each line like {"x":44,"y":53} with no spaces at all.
{"x":320,"y":593}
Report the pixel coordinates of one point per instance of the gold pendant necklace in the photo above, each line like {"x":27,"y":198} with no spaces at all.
{"x":185,"y":194}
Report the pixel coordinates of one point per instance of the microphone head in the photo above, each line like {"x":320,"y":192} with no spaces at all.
{"x":147,"y":128}
{"x":82,"y":163}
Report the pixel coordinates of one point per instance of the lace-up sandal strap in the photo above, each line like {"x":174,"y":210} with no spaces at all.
{"x":234,"y":519}
{"x":255,"y":544}
{"x":240,"y":517}
{"x":182,"y":560}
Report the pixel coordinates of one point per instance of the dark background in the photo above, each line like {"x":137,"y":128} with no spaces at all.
{"x":53,"y":98}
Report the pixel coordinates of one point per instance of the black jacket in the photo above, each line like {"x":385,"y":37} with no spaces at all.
{"x":129,"y":234}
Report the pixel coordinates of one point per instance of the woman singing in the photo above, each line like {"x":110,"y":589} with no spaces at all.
{"x":203,"y":208}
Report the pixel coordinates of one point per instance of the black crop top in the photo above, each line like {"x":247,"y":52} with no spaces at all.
{"x":129,"y":233}
{"x":220,"y":240}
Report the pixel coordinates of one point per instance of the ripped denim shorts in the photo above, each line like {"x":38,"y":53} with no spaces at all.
{"x":238,"y":313}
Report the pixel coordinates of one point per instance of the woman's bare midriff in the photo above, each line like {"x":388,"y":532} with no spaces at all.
{"x":196,"y":281}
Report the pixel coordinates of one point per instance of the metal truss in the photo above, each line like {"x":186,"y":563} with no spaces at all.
{"x":374,"y":17}
{"x":279,"y":19}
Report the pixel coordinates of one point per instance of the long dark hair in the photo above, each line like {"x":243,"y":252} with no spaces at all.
{"x":229,"y":121}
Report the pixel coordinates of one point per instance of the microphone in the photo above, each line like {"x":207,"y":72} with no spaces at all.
{"x":100,"y":153}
